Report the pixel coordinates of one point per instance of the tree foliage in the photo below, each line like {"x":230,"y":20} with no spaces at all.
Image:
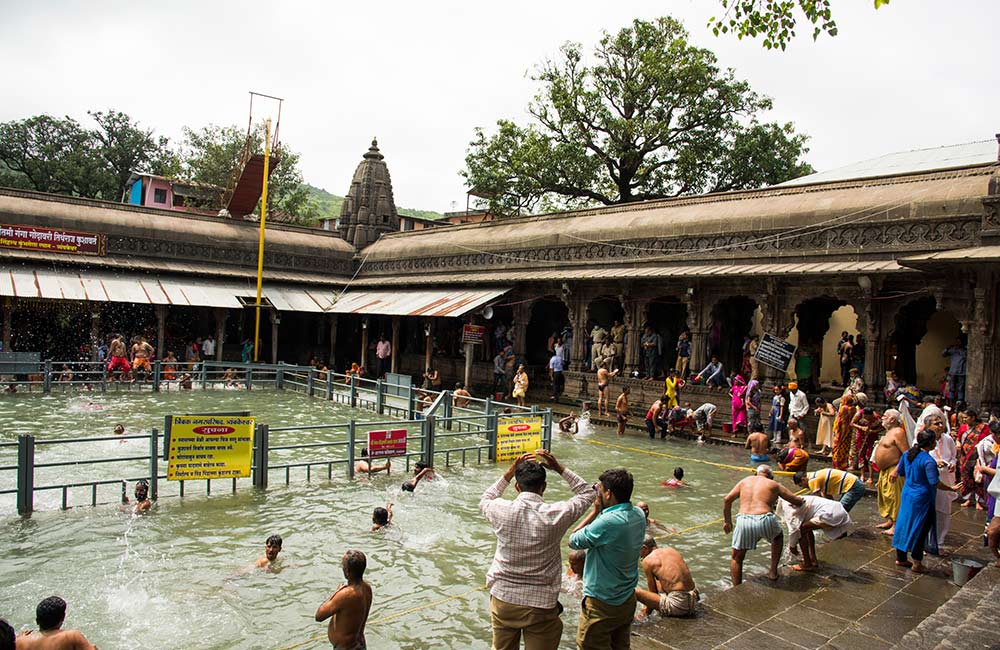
{"x":776,"y":20}
{"x":651,"y":117}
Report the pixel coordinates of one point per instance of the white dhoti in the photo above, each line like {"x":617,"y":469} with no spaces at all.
{"x":830,"y":514}
{"x":946,"y":453}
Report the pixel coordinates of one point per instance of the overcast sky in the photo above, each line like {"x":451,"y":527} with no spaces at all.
{"x":422,"y":76}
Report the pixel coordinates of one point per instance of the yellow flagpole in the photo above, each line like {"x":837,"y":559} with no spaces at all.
{"x":260,"y":247}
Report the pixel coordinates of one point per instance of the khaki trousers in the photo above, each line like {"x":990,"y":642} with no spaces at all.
{"x":542,"y":628}
{"x":604,"y":626}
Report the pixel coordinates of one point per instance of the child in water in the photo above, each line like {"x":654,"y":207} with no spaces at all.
{"x":677,"y":480}
{"x":382,"y":517}
{"x":421,"y":471}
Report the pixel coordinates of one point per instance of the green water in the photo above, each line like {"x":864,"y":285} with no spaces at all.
{"x":177,"y":577}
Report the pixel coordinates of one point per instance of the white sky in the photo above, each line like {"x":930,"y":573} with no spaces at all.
{"x":422,"y":76}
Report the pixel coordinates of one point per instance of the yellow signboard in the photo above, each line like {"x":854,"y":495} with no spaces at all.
{"x":205,"y":447}
{"x":516,"y":436}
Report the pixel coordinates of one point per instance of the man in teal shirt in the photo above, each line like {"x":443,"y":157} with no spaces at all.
{"x":613,"y":540}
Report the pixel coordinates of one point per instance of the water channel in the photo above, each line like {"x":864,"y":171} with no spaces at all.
{"x":180,"y":578}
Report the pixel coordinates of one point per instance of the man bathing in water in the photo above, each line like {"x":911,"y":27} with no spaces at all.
{"x":621,"y":410}
{"x":348,"y":607}
{"x":603,"y":377}
{"x":142,"y":503}
{"x":382,"y":517}
{"x":119,"y":363}
{"x":367,"y":467}
{"x":759,"y":444}
{"x":421,"y":470}
{"x":49,"y":615}
{"x":570,"y":423}
{"x":272,"y":546}
{"x":758,"y":497}
{"x":670,"y":588}
{"x":651,"y":524}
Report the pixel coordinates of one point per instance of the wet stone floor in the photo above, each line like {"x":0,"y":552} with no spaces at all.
{"x":858,"y":599}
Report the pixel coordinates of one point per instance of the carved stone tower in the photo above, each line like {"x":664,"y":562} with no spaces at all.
{"x":369,"y":209}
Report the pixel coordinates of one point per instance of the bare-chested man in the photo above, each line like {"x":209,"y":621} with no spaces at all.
{"x":669,"y":588}
{"x":460,"y":396}
{"x":892,"y":445}
{"x":142,"y":504}
{"x":365,"y":466}
{"x":348,"y":606}
{"x":141,"y":353}
{"x":759,"y":444}
{"x":119,"y":363}
{"x":758,"y":497}
{"x":621,"y":410}
{"x":272,"y":546}
{"x":49,"y":615}
{"x":603,"y":377}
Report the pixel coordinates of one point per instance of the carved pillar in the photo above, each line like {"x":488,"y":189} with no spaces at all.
{"x":698,"y":323}
{"x":578,"y":317}
{"x":333,"y":342}
{"x":161,"y":326}
{"x":221,"y":314}
{"x":977,"y":330}
{"x":869,"y":314}
{"x":428,"y":342}
{"x":364,"y":346}
{"x":522,"y":314}
{"x":395,"y":343}
{"x":95,"y":333}
{"x":633,"y":319}
{"x":275,"y":322}
{"x":771,"y":322}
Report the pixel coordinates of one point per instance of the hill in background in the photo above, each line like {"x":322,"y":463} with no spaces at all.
{"x":328,"y":205}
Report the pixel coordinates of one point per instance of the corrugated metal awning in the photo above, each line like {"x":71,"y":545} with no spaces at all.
{"x":430,"y":302}
{"x":641,"y":272}
{"x":105,"y":286}
{"x":977,"y":254}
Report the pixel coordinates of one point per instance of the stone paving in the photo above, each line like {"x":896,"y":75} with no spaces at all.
{"x":858,"y":599}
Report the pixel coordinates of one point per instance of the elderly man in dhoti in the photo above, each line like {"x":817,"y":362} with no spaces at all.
{"x":670,"y":587}
{"x":816,"y":513}
{"x":887,"y":452}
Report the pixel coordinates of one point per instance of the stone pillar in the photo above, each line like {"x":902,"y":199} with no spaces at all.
{"x":578,"y":317}
{"x":522,"y":314}
{"x":395,"y":344}
{"x":698,"y":320}
{"x":869,"y":314}
{"x":470,"y":351}
{"x":95,"y":331}
{"x":633,"y":319}
{"x":221,"y":314}
{"x":428,"y":342}
{"x":275,"y":322}
{"x":331,"y":362}
{"x":977,"y":330}
{"x":8,"y":313}
{"x":771,"y":323}
{"x":364,"y":346}
{"x":161,"y":328}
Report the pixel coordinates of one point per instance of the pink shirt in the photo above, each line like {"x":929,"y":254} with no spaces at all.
{"x":383,"y":349}
{"x":527,"y":565}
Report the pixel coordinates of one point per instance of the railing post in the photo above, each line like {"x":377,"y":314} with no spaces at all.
{"x":154,"y":468}
{"x":350,"y":449}
{"x":157,"y":374}
{"x":447,"y":410}
{"x":249,"y":378}
{"x":379,"y":397}
{"x":354,"y":391}
{"x":329,"y":385}
{"x":47,"y":377}
{"x":279,"y":378}
{"x":25,"y":474}
{"x":204,"y":375}
{"x":260,"y":465}
{"x":427,"y":427}
{"x":547,"y":429}
{"x":491,"y":434}
{"x":488,"y":406}
{"x":411,"y":403}
{"x":310,"y":382}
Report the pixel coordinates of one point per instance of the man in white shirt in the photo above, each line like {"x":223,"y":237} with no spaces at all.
{"x":798,"y":402}
{"x":208,"y":349}
{"x":525,"y":576}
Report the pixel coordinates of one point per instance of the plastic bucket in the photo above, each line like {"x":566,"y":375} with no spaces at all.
{"x":964,"y":568}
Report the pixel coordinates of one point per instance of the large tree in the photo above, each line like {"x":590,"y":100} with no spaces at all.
{"x":212,"y":155}
{"x":651,"y":116}
{"x":776,"y":20}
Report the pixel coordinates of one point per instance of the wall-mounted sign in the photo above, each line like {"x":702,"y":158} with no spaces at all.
{"x":387,"y":444}
{"x":51,"y":240}
{"x":473,"y":333}
{"x":775,"y":352}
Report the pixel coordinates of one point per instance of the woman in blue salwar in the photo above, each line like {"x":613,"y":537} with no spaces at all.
{"x":915,"y":526}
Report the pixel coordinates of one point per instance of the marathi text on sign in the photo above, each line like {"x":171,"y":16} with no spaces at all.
{"x":516,"y":436}
{"x":473,"y":333}
{"x":387,"y":444}
{"x":206,"y":447}
{"x":775,"y":352}
{"x":51,"y":240}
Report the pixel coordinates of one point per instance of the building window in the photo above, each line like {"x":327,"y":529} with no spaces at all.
{"x":159,"y":196}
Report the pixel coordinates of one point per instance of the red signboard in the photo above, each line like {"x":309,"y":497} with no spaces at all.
{"x":51,"y":240}
{"x":386,"y":444}
{"x":473,"y":333}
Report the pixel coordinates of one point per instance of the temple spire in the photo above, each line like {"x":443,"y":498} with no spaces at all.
{"x":369,"y":208}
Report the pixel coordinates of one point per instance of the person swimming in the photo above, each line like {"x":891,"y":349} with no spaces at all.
{"x":365,"y":466}
{"x":421,"y":470}
{"x":142,"y":503}
{"x":677,"y":480}
{"x":272,"y":546}
{"x":382,"y":517}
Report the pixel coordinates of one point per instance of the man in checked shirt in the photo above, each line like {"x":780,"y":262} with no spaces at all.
{"x":526,"y":573}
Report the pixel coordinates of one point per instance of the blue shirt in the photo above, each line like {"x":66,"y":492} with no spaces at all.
{"x":556,"y":363}
{"x":613,"y":542}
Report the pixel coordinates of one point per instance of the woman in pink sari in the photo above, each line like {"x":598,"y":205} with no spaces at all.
{"x":739,"y":404}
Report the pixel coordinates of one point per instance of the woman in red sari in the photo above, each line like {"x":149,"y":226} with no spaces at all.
{"x":843,"y":433}
{"x":971,"y":490}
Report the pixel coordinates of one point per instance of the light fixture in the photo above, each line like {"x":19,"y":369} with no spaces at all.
{"x":864,"y":282}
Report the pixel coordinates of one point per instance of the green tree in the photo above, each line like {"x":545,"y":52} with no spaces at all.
{"x":125,"y":148}
{"x":212,"y":155}
{"x":775,"y":20}
{"x":651,"y":117}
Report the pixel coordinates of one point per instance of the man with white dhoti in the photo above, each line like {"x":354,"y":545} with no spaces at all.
{"x":815,"y":513}
{"x":945,"y":455}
